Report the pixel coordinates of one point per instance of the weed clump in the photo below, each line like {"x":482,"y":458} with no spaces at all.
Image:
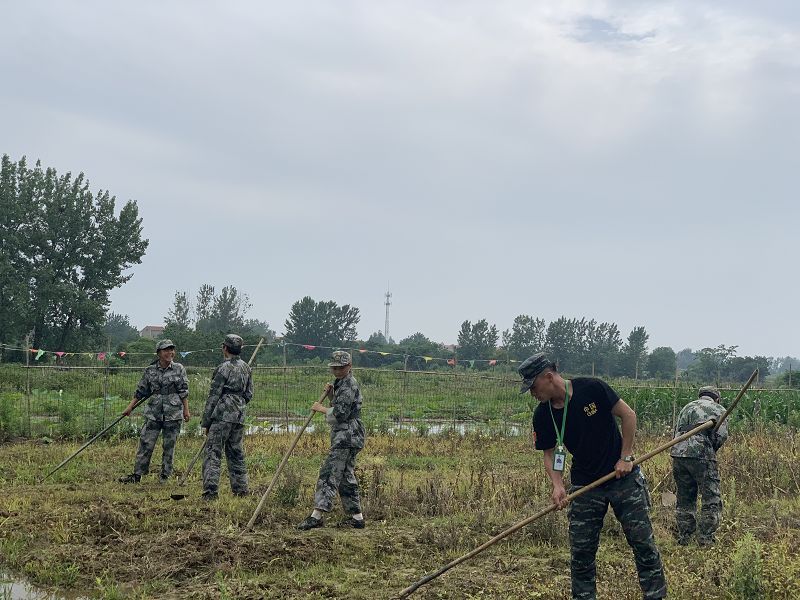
{"x":747,"y":578}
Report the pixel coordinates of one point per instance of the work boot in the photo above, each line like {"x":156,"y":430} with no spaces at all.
{"x":132,"y":478}
{"x":309,"y":523}
{"x":163,"y":478}
{"x":241,"y":494}
{"x":351,"y":522}
{"x":209,"y":497}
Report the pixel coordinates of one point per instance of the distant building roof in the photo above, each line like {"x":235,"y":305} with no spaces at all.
{"x":152,"y":331}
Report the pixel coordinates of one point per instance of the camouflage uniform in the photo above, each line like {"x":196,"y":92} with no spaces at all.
{"x":630,"y":501}
{"x":347,"y":439}
{"x":166,"y":388}
{"x":231,"y":390}
{"x":594,"y":431}
{"x":694,"y":468}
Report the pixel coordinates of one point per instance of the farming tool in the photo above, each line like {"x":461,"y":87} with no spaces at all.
{"x":182,"y":480}
{"x":710,"y":424}
{"x":90,"y":442}
{"x":283,"y":463}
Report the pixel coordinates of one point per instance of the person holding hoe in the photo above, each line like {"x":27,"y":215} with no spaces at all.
{"x":578,"y":415}
{"x":694,"y":467}
{"x":165,"y":383}
{"x":337,"y":473}
{"x":223,"y":420}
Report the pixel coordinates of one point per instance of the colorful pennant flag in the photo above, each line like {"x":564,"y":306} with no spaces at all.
{"x":492,"y":362}
{"x":185,"y":354}
{"x":101,"y":356}
{"x":383,"y":353}
{"x":362,"y":350}
{"x":122,"y":354}
{"x":451,"y":362}
{"x":309,"y":347}
{"x":60,"y":354}
{"x":39,"y":354}
{"x":428,"y":358}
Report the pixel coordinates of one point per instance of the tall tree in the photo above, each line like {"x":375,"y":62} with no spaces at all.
{"x":525,"y":338}
{"x":565,"y":344}
{"x":179,"y":316}
{"x":323,"y":323}
{"x":661,"y":363}
{"x":119,"y":330}
{"x":634,"y":353}
{"x":70,"y":250}
{"x":478,"y":341}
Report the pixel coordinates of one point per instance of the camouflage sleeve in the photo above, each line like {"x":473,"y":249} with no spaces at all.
{"x":183,"y":385}
{"x":214,"y":394}
{"x":248,"y":388}
{"x":343,"y":401}
{"x":720,"y":436}
{"x":143,"y":389}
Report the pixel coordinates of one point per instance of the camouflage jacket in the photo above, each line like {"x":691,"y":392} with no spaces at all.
{"x":166,"y":389}
{"x":703,"y":445}
{"x":231,"y":390}
{"x":347,"y":431}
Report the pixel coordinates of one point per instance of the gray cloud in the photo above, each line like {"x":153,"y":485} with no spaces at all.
{"x":644,"y":148}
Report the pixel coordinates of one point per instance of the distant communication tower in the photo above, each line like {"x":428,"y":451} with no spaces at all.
{"x":388,"y":304}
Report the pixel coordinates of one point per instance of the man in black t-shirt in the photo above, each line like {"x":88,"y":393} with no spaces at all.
{"x":578,"y":416}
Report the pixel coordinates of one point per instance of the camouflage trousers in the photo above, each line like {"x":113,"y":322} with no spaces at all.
{"x":169,"y":431}
{"x":630,"y":501}
{"x":692,"y":475}
{"x":227,"y":437}
{"x":338,"y":474}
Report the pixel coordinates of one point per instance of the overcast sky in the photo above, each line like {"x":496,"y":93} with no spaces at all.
{"x":630,"y":161}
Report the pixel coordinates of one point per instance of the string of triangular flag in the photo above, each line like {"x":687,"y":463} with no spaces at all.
{"x":102,"y":356}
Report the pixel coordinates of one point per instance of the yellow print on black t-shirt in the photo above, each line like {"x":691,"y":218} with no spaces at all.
{"x":590,"y":409}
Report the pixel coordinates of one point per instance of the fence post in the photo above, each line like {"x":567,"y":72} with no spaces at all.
{"x":28,"y":380}
{"x":405,"y":392}
{"x":675,"y":401}
{"x":105,"y":379}
{"x":285,"y":390}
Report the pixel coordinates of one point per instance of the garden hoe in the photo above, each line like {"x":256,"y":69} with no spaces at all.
{"x":702,"y":427}
{"x":282,"y":464}
{"x":90,"y":442}
{"x":182,"y":480}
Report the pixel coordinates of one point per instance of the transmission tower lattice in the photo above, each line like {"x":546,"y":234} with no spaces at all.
{"x":386,"y":325}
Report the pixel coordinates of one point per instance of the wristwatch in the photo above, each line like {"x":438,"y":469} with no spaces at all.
{"x":629,"y":458}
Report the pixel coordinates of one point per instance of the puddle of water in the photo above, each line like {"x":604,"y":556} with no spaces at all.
{"x":430,"y":428}
{"x":14,"y":588}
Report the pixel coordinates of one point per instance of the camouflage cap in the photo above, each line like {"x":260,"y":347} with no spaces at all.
{"x":709,"y":390}
{"x":531,"y":367}
{"x":340,"y":358}
{"x":163,"y":344}
{"x":233,"y":342}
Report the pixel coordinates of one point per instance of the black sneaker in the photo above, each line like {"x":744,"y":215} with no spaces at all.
{"x":351,"y":522}
{"x":132,"y":478}
{"x":309,"y":523}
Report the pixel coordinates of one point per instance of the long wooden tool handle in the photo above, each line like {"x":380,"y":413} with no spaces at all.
{"x":414,"y":587}
{"x":185,"y":475}
{"x":253,"y":355}
{"x":90,"y":442}
{"x":736,"y":400}
{"x":281,"y":465}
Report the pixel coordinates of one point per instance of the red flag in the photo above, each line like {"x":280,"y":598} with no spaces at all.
{"x":451,"y":362}
{"x":362,"y":350}
{"x":492,"y":362}
{"x":101,"y":356}
{"x":309,"y":347}
{"x":122,"y":353}
{"x":59,"y":354}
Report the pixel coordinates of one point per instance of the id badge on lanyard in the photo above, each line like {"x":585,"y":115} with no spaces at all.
{"x":560,"y":454}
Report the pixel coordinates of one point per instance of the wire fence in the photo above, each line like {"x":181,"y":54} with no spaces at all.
{"x":60,"y":401}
